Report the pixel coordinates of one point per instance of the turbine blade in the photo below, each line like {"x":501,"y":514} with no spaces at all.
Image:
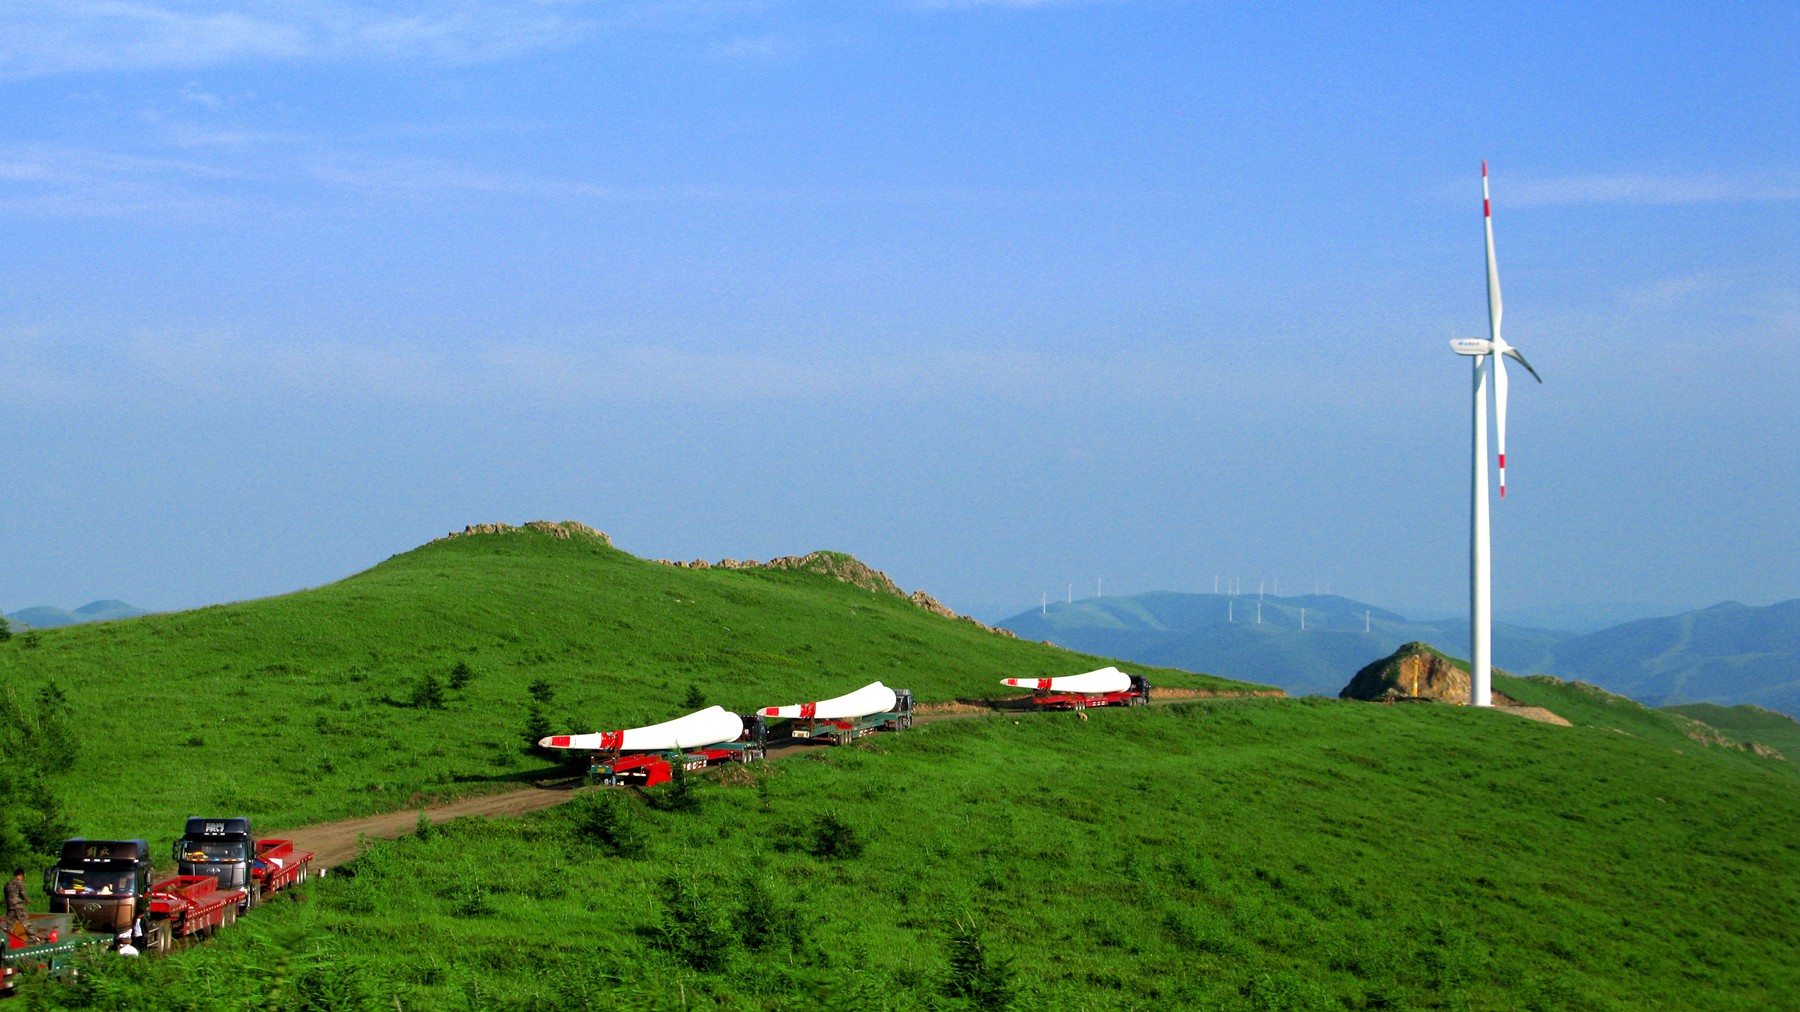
{"x":1514,"y":352}
{"x":1500,"y":416}
{"x":1493,"y":268}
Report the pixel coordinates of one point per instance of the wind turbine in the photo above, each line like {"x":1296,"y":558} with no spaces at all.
{"x":1489,"y":355}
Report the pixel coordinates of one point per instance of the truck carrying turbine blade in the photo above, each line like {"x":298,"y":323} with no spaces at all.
{"x":872,"y":698}
{"x":704,"y":727}
{"x":1107,"y":679}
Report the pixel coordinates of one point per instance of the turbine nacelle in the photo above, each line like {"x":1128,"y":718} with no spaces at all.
{"x":1472,"y":346}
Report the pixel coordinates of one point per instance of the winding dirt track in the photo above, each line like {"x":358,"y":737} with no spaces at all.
{"x":333,"y":843}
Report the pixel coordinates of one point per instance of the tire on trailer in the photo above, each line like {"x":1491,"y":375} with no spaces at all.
{"x":256,"y":894}
{"x":157,"y":938}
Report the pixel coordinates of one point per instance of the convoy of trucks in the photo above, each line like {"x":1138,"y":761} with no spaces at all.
{"x":105,"y":893}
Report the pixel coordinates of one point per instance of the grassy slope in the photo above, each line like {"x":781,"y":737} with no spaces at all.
{"x":275,"y":707}
{"x":1745,"y":723}
{"x":1302,"y":854}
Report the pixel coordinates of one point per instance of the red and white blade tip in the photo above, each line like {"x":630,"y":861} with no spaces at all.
{"x":1503,"y":476}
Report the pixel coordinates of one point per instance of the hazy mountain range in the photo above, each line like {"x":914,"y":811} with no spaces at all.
{"x":45,"y":617}
{"x":1727,"y":654}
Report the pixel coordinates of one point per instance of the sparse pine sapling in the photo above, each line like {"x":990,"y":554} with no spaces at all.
{"x":461,"y":675}
{"x":537,"y":728}
{"x":542,"y":691}
{"x":695,"y":699}
{"x":976,"y":973}
{"x":429,"y":693}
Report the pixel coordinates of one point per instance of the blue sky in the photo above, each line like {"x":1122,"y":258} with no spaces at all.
{"x":1001,"y":297}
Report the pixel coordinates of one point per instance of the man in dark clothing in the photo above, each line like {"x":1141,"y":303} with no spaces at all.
{"x":17,"y":903}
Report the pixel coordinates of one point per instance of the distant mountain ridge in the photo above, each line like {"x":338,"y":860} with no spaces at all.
{"x":46,"y":617}
{"x":1727,"y":654}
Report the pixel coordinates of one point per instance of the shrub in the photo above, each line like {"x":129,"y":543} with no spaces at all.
{"x":542,"y":691}
{"x":606,"y":819}
{"x":537,"y":728}
{"x":693,"y":926}
{"x":679,"y":794}
{"x":695,"y":699}
{"x":833,"y":837}
{"x":429,"y":693}
{"x":461,"y":675}
{"x":975,"y":973}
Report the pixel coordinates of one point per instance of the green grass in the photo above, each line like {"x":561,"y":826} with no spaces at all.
{"x":1745,"y":723}
{"x":285,"y":708}
{"x":1266,"y":854}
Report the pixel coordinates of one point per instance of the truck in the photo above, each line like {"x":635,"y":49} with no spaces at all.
{"x":844,"y":730}
{"x":647,"y":769}
{"x":227,"y":850}
{"x":44,"y":943}
{"x":109,"y":886}
{"x":1137,"y":695}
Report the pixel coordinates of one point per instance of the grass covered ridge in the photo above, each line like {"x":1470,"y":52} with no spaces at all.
{"x":299,"y":709}
{"x":1255,"y":854}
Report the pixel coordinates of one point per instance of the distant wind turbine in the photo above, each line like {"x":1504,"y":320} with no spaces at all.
{"x":1488,"y":355}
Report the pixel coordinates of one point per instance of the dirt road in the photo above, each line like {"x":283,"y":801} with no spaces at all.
{"x":333,"y":843}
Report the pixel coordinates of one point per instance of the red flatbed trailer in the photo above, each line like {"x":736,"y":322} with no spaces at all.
{"x":278,"y":865}
{"x":1137,"y":695}
{"x":647,"y":769}
{"x":187,"y":906}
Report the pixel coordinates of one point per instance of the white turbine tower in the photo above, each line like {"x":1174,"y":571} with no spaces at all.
{"x":1488,"y":354}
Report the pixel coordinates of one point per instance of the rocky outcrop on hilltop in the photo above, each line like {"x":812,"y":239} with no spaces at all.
{"x":845,"y":569}
{"x":565,"y":530}
{"x":1415,"y":671}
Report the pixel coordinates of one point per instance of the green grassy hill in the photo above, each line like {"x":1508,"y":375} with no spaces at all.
{"x":293,"y":708}
{"x":1234,"y":854}
{"x":1745,"y":723}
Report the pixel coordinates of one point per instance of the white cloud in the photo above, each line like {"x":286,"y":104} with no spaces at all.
{"x":760,"y":47}
{"x":42,"y":37}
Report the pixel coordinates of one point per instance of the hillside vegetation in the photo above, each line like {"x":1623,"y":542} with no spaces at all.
{"x":1235,"y":854}
{"x":315,"y":705}
{"x":1745,"y":723}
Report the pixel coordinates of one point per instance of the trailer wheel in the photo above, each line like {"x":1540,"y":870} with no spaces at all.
{"x":255,"y":894}
{"x":159,"y":938}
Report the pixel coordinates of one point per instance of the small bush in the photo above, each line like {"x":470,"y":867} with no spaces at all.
{"x":693,"y":926}
{"x":833,"y":837}
{"x":542,"y":691}
{"x":975,"y":973}
{"x":607,"y":820}
{"x":429,"y":693}
{"x":537,"y":728}
{"x":679,"y":794}
{"x":461,"y":676}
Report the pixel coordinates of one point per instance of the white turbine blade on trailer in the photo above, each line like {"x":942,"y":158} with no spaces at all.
{"x":872,"y":698}
{"x":1107,"y":679}
{"x":701,"y":728}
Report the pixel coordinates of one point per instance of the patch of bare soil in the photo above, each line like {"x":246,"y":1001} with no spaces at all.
{"x":1533,"y":713}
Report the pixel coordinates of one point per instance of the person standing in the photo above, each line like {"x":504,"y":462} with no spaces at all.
{"x":18,"y":905}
